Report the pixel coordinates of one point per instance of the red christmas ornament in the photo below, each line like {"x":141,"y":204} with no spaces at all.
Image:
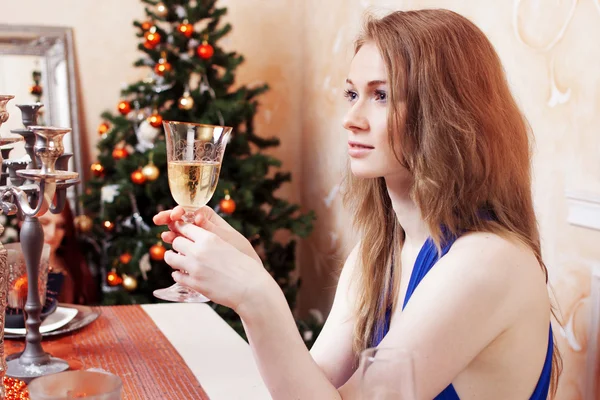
{"x":146,"y":25}
{"x":155,"y":120}
{"x":152,"y":38}
{"x":97,"y":169}
{"x":205,"y":50}
{"x":113,"y":278}
{"x":138,"y":177}
{"x":103,"y":128}
{"x":119,"y":153}
{"x":186,"y":29}
{"x":157,"y":252}
{"x":125,"y":258}
{"x":227,"y":205}
{"x":124,"y":107}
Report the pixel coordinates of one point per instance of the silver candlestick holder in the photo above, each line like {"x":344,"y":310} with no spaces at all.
{"x":30,"y":190}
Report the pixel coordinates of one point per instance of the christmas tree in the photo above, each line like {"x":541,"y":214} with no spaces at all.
{"x":190,"y":79}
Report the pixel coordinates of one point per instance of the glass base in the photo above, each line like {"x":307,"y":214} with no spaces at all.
{"x":180,"y":294}
{"x":27,"y":373}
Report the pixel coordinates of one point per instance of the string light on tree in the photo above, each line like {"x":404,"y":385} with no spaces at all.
{"x":124,"y":107}
{"x":113,"y":278}
{"x":157,"y":252}
{"x":138,"y":177}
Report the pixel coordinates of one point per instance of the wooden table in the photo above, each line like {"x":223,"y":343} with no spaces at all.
{"x":163,"y":351}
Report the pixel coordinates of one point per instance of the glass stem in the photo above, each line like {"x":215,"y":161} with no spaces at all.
{"x":188,"y":217}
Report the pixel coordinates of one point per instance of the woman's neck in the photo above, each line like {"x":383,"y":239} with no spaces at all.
{"x":407,"y":213}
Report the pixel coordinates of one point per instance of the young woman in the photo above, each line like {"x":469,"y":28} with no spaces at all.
{"x":449,"y":266}
{"x":69,"y":273}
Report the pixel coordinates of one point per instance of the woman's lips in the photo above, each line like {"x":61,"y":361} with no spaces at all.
{"x":357,"y":150}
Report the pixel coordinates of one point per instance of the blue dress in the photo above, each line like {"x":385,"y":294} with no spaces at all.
{"x":426,"y":259}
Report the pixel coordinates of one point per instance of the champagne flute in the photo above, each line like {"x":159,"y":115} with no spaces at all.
{"x":386,"y":374}
{"x":194,"y":157}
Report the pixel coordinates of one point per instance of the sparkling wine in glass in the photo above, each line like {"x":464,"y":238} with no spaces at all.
{"x":194,"y":156}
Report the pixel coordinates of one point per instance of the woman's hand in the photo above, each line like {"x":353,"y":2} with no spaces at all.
{"x":208,"y":219}
{"x":216,"y":268}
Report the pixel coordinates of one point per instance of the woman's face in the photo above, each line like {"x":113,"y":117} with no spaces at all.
{"x":54,"y":230}
{"x":371,"y":155}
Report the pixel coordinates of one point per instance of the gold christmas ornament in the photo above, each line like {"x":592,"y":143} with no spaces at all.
{"x":162,"y":10}
{"x":129,"y":283}
{"x":186,"y":102}
{"x":83,"y":223}
{"x":151,"y":172}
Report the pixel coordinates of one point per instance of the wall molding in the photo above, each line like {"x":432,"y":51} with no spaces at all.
{"x":583,"y":209}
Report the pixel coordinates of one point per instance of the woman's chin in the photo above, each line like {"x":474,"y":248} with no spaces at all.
{"x":359,"y":171}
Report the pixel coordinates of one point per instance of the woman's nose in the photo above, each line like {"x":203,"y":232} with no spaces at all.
{"x":355,"y":119}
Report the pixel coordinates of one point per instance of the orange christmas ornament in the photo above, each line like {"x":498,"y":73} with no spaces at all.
{"x":113,"y":278}
{"x":152,"y":38}
{"x":97,"y":169}
{"x":227,"y":205}
{"x":138,"y":177}
{"x":163,"y":66}
{"x":205,"y":50}
{"x":146,"y":25}
{"x":157,"y":252}
{"x":124,"y":107}
{"x":120,"y":153}
{"x":125,"y":258}
{"x":103,"y":128}
{"x":155,"y":120}
{"x":186,"y":29}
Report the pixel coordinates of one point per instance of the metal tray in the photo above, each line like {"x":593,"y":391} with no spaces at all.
{"x":85,"y":316}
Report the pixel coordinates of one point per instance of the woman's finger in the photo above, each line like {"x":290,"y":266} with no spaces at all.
{"x":193,"y":232}
{"x":177,"y":213}
{"x":176,"y":261}
{"x":168,"y":236}
{"x":184,"y":279}
{"x":162,"y":218}
{"x":183,"y":245}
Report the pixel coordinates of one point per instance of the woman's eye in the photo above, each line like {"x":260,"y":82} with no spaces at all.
{"x":350,"y":95}
{"x":380,"y":95}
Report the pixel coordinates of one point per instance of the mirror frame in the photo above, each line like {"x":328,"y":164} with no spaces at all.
{"x":41,"y":41}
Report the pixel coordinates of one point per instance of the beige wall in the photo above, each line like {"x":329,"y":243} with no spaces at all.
{"x":303,"y":48}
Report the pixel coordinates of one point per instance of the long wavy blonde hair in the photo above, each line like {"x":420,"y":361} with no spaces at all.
{"x":461,"y":135}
